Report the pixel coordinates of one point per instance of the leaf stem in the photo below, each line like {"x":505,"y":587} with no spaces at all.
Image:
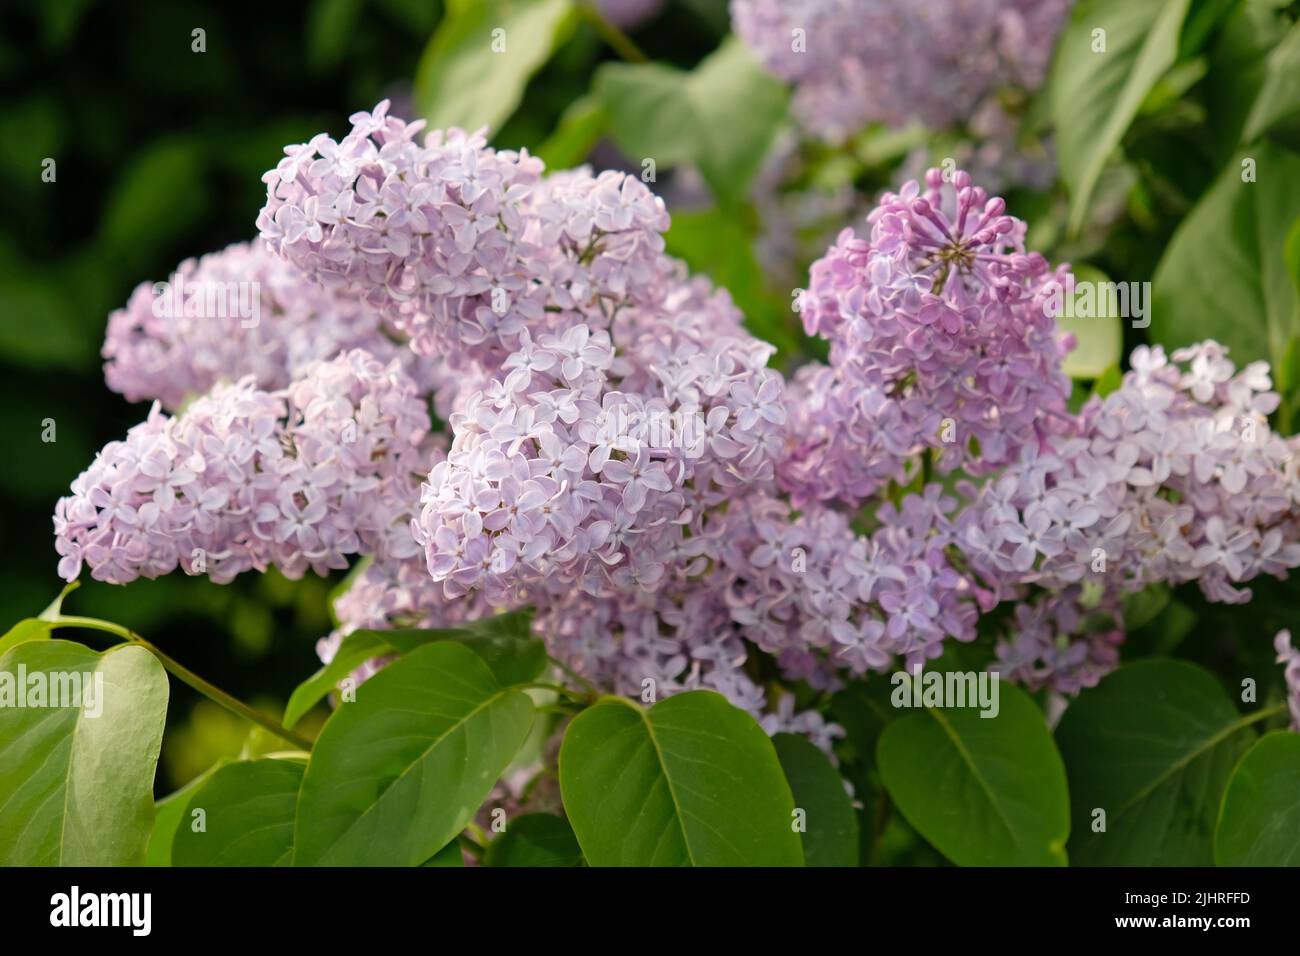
{"x":187,"y":676}
{"x":620,"y":42}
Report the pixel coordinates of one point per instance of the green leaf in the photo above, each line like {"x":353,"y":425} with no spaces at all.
{"x":448,"y":856}
{"x":1259,"y":822}
{"x":535,"y":839}
{"x":831,"y":837}
{"x":331,"y":26}
{"x":721,"y":117}
{"x":167,"y":817}
{"x":1152,"y":746}
{"x":1238,"y":68}
{"x":248,"y":812}
{"x":502,"y":641}
{"x":863,"y":709}
{"x":76,"y":783}
{"x":1096,"y":327}
{"x":580,"y":128}
{"x":1279,"y":96}
{"x":160,"y":195}
{"x":720,"y":244}
{"x":36,"y":628}
{"x":1224,"y":275}
{"x":397,"y":774}
{"x":463,"y":81}
{"x":986,"y":791}
{"x":690,"y":781}
{"x":1095,"y":95}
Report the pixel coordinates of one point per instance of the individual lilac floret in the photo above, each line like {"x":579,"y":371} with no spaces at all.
{"x":1290,"y":656}
{"x":941,"y":338}
{"x":460,"y":246}
{"x":245,"y":478}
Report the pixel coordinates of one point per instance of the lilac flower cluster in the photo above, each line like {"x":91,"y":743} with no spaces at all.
{"x":940,"y":338}
{"x":583,"y":469}
{"x":1063,"y":640}
{"x":241,"y":312}
{"x":459,"y":246}
{"x":244,"y":478}
{"x":896,"y":61}
{"x":1173,"y":477}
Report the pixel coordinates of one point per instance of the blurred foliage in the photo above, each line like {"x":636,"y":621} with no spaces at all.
{"x":157,"y":152}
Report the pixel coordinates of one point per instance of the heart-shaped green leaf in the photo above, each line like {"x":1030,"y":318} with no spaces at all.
{"x":476,"y":66}
{"x":167,"y":817}
{"x":247,"y":816}
{"x":1150,"y":747}
{"x":502,"y":641}
{"x":986,"y":791}
{"x":395,"y":775}
{"x":1108,"y":57}
{"x":1224,"y":275}
{"x":76,"y":781}
{"x":672,"y":116}
{"x":830,"y":836}
{"x":1259,"y":822}
{"x":692,"y":781}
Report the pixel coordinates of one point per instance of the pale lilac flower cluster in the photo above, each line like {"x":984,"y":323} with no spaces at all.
{"x":1173,"y":477}
{"x":240,"y":312}
{"x":1290,"y":656}
{"x":854,"y":62}
{"x":583,"y":466}
{"x":459,"y":246}
{"x":811,"y":591}
{"x":244,"y":478}
{"x":940,"y":339}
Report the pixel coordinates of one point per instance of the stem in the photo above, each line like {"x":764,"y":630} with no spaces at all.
{"x":591,"y":688}
{"x":619,"y":41}
{"x":187,"y":676}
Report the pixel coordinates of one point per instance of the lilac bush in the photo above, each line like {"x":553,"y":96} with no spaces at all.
{"x":622,"y":459}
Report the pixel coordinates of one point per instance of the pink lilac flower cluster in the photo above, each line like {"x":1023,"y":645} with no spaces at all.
{"x":896,"y":61}
{"x":459,"y":246}
{"x":940,"y":338}
{"x":245,"y":479}
{"x":1290,"y":656}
